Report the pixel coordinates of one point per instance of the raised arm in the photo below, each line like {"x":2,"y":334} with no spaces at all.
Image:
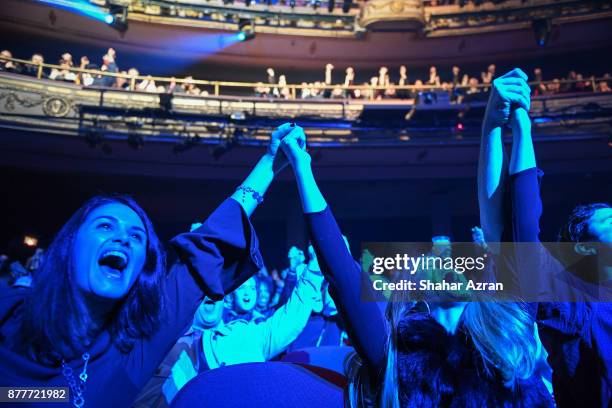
{"x":507,"y":90}
{"x":288,"y":321}
{"x":213,"y":260}
{"x":366,"y":323}
{"x":250,"y":193}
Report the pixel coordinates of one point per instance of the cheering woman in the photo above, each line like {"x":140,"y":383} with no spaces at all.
{"x":103,"y":311}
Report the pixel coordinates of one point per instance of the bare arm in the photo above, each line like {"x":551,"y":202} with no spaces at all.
{"x":508,"y":91}
{"x":257,"y":182}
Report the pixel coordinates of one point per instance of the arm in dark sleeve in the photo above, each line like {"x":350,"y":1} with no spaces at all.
{"x":366,"y":324}
{"x":542,"y":277}
{"x":213,"y":261}
{"x":575,"y":332}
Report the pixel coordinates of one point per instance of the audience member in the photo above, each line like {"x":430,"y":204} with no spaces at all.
{"x":8,"y":66}
{"x":213,"y":343}
{"x":32,"y":69}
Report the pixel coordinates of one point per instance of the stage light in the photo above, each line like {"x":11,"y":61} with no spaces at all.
{"x":30,"y":241}
{"x":246,"y":29}
{"x":541,"y":30}
{"x":117,"y":17}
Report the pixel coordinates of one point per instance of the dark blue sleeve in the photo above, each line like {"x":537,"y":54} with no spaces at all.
{"x":576,"y":333}
{"x":213,"y":261}
{"x":366,"y":324}
{"x":541,"y":276}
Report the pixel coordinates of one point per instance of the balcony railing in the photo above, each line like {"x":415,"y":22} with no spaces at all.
{"x":57,"y":107}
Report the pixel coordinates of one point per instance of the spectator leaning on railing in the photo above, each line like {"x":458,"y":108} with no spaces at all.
{"x":6,"y":65}
{"x":32,"y":70}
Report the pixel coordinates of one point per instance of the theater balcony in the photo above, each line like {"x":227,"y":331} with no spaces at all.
{"x":60,"y":125}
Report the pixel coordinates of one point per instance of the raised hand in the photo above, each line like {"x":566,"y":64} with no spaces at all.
{"x":280,"y":160}
{"x":293,"y":145}
{"x":508,"y":92}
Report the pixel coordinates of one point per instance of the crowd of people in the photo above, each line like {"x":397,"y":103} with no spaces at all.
{"x":135,"y":331}
{"x":457,"y":84}
{"x":125,"y":79}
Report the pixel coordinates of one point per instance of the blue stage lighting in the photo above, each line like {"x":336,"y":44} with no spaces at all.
{"x":246,"y":30}
{"x":81,"y":7}
{"x":109,"y":19}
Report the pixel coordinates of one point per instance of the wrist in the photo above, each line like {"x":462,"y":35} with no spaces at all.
{"x":302,"y":167}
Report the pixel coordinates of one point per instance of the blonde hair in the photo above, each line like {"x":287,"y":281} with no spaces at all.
{"x":501,"y":331}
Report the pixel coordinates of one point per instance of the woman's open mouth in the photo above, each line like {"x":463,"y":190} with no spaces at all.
{"x":113,"y":263}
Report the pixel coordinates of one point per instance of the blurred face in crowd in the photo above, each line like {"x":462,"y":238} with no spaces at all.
{"x":109,"y":251}
{"x":296,"y":257}
{"x":491,"y":69}
{"x":600,"y":225}
{"x":6,"y":54}
{"x":245,"y":297}
{"x":209,"y":313}
{"x":403,"y":70}
{"x":263,"y":296}
{"x":270,"y":72}
{"x":455,"y":70}
{"x":66,"y":59}
{"x":37,"y":59}
{"x":432,"y":70}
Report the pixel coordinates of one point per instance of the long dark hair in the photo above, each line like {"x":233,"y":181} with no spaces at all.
{"x":54,"y":326}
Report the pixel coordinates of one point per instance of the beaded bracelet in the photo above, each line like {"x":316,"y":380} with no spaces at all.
{"x":246,"y":189}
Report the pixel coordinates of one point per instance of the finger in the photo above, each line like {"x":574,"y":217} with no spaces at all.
{"x":289,"y":142}
{"x":298,"y":133}
{"x":513,"y":97}
{"x":518,"y":98}
{"x":510,"y":81}
{"x":282,"y":130}
{"x":517,"y":73}
{"x":515,"y":90}
{"x":516,"y":82}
